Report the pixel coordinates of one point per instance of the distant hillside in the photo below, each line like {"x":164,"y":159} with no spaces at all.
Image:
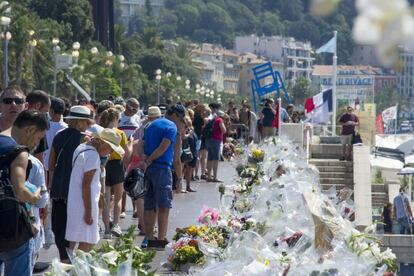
{"x":219,"y":21}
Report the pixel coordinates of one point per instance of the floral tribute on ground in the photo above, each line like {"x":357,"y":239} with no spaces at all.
{"x":276,"y":221}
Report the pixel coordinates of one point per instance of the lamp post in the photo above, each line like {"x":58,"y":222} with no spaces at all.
{"x":94,"y":51}
{"x":6,"y":36}
{"x":32,"y":45}
{"x":56,"y":50}
{"x":158,"y":78}
{"x":187,"y":84}
{"x":75,"y":52}
{"x":121,"y":81}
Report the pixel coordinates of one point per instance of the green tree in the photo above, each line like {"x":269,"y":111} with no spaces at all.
{"x":188,"y":17}
{"x":75,"y":14}
{"x":301,"y":90}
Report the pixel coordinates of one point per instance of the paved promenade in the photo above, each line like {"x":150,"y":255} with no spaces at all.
{"x":186,"y":208}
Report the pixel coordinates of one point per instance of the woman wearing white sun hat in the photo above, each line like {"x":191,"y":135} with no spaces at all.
{"x":64,"y":144}
{"x":84,"y":189}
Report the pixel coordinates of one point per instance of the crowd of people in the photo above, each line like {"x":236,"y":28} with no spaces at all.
{"x":66,"y":165}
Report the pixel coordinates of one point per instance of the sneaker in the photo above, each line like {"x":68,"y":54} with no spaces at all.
{"x":107,"y":235}
{"x":204,"y":177}
{"x":135,"y":215}
{"x":191,"y":190}
{"x":216,"y":180}
{"x":122,"y":215}
{"x":196,"y":178}
{"x":116,"y":230}
{"x":144,"y":244}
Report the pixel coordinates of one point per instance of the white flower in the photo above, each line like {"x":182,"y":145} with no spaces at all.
{"x":388,"y":255}
{"x":323,"y":7}
{"x":110,"y":257}
{"x":385,"y":24}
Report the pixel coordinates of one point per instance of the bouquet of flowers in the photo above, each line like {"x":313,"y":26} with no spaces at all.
{"x":208,"y":216}
{"x":256,"y":156}
{"x":121,"y":258}
{"x":185,"y":251}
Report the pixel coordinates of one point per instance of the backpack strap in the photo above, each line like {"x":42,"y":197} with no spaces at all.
{"x":8,"y":158}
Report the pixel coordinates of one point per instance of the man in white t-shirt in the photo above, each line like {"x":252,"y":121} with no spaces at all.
{"x":57,"y":107}
{"x":130,"y":119}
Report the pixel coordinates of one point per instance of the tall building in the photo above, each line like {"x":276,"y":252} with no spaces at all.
{"x":364,"y":55}
{"x":218,"y":66}
{"x":405,"y":76}
{"x":130,"y":7}
{"x":294,"y":55}
{"x":355,"y":83}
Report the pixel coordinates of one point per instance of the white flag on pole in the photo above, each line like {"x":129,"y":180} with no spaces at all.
{"x":329,"y":47}
{"x":389,"y":114}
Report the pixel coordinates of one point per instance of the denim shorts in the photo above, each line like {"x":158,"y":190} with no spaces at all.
{"x":159,"y":188}
{"x":213,"y":149}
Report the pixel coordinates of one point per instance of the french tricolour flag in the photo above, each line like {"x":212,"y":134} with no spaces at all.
{"x":318,"y":107}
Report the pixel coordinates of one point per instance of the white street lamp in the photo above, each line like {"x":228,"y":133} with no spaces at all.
{"x":76,"y":46}
{"x":121,"y":58}
{"x":109,"y":54}
{"x":178,"y":78}
{"x":31,"y":33}
{"x":212,"y":92}
{"x":94,"y":51}
{"x":197,"y":86}
{"x":158,"y":78}
{"x":5,"y":21}
{"x":56,"y":50}
{"x":187,"y":82}
{"x":108,"y":62}
{"x":187,"y":87}
{"x":122,"y":65}
{"x":168,"y":75}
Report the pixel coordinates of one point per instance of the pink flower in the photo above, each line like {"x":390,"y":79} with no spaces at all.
{"x":208,"y":215}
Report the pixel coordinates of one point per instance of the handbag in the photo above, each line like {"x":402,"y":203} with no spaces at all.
{"x":134,"y":183}
{"x":186,"y":154}
{"x":356,"y":139}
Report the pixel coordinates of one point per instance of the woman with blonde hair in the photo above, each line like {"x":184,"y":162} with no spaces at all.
{"x":201,"y":113}
{"x":189,"y":153}
{"x":115,"y":173}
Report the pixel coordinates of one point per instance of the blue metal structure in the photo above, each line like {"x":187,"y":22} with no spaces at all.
{"x":261,"y":85}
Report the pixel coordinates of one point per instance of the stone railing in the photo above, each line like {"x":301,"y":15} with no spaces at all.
{"x":402,"y":246}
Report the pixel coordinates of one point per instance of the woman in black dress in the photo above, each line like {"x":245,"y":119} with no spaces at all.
{"x":386,"y":218}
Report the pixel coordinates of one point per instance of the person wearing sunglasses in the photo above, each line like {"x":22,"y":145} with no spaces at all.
{"x":12,"y":103}
{"x":130,"y":120}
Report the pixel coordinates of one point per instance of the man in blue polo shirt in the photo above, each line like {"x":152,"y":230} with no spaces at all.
{"x":160,"y":141}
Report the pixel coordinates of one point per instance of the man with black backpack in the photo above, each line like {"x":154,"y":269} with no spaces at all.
{"x":15,"y":250}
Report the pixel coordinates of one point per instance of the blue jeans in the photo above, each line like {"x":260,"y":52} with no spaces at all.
{"x":17,"y":261}
{"x":404,"y":227}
